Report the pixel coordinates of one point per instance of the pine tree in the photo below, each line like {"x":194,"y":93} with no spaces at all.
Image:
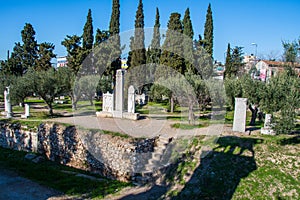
{"x":208,"y":32}
{"x":101,"y":36}
{"x":14,"y":64}
{"x":87,"y":36}
{"x":188,"y":41}
{"x":30,"y":47}
{"x":138,"y":53}
{"x":45,"y":54}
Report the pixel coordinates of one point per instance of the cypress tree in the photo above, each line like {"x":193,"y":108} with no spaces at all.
{"x":115,"y":46}
{"x":170,"y":57}
{"x":30,"y":47}
{"x":87,"y":36}
{"x":138,"y":53}
{"x":227,"y":72}
{"x":188,"y":41}
{"x":154,"y":51}
{"x":187,"y":24}
{"x":173,"y":44}
{"x":208,"y":32}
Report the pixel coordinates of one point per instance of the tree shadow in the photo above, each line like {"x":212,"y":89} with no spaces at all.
{"x":290,"y":141}
{"x":220,"y":172}
{"x":217,"y":176}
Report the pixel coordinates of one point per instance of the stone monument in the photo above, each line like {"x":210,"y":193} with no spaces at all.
{"x":113,"y":104}
{"x":267,"y":129}
{"x":27,"y":111}
{"x":131,"y":99}
{"x":239,"y":119}
{"x":7,"y":103}
{"x":119,"y":94}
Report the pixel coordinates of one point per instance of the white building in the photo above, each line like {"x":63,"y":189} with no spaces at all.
{"x":61,"y":61}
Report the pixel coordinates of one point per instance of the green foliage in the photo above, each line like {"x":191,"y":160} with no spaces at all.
{"x":87,"y":37}
{"x":75,"y":55}
{"x":208,"y":32}
{"x":114,"y":50}
{"x":44,"y":54}
{"x":86,"y":85}
{"x":30,"y":47}
{"x":101,"y":36}
{"x":59,"y":177}
{"x":234,"y":62}
{"x":291,"y":50}
{"x":282,"y":98}
{"x":48,"y":85}
{"x":173,"y":46}
{"x":188,"y":41}
{"x":228,"y":71}
{"x":154,"y":51}
{"x":138,"y":51}
{"x":20,"y":88}
{"x":233,"y":89}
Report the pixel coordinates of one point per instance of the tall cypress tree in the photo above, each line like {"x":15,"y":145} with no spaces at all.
{"x":138,"y":53}
{"x":209,"y":32}
{"x":87,"y":36}
{"x":154,"y":51}
{"x":173,"y":44}
{"x":227,"y":72}
{"x":115,"y":46}
{"x":170,"y":58}
{"x":30,"y":47}
{"x":87,"y":46}
{"x":188,"y":41}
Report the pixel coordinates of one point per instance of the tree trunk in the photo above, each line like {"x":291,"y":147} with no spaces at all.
{"x":172,"y":104}
{"x":74,"y":101}
{"x":91,"y":101}
{"x":50,"y":108}
{"x":191,"y":114}
{"x":254,"y":111}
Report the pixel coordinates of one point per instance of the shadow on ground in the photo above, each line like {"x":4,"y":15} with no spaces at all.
{"x":218,"y":175}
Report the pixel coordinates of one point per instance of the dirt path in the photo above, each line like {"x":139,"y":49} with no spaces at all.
{"x":14,"y":187}
{"x":146,"y":127}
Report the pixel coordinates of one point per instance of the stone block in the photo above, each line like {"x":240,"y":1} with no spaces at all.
{"x":239,"y":119}
{"x":104,"y":114}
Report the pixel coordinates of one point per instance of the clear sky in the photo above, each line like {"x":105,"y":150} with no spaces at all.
{"x":238,"y":22}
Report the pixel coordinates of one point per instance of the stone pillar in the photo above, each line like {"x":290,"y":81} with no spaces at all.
{"x":267,"y":129}
{"x":5,"y":99}
{"x":239,"y":119}
{"x":27,"y":110}
{"x":119,"y":90}
{"x":131,"y":99}
{"x":8,"y":104}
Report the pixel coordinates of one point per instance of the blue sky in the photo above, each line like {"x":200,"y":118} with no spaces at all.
{"x":239,"y":22}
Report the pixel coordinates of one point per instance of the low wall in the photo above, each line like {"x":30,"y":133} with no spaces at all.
{"x":112,"y":156}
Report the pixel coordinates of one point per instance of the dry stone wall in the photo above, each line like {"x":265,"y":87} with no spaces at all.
{"x":112,"y":156}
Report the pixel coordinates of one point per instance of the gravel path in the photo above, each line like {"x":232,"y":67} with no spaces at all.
{"x":146,"y":127}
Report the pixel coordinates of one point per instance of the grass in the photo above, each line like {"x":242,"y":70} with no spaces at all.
{"x":188,"y":126}
{"x":50,"y":174}
{"x":245,"y":167}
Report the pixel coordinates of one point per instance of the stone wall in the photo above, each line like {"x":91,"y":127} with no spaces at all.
{"x":112,"y":156}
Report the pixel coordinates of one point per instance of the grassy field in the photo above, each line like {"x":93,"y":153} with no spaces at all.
{"x":54,"y":175}
{"x":247,"y":167}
